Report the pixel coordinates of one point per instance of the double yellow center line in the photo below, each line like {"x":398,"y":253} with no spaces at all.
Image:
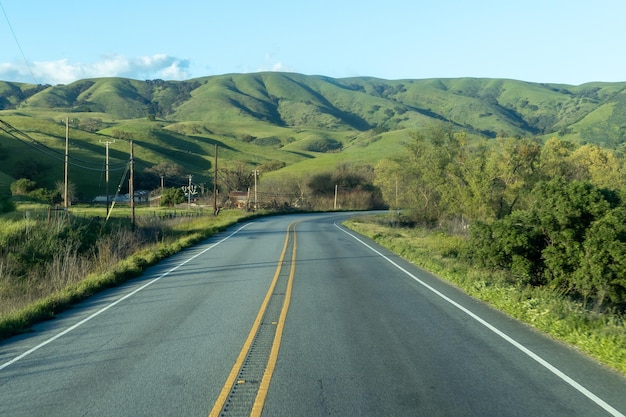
{"x":223,"y":405}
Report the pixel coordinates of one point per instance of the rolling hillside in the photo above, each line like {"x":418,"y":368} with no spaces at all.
{"x":274,"y":119}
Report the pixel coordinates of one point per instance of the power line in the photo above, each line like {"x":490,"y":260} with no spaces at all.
{"x":53,"y":153}
{"x":18,"y":43}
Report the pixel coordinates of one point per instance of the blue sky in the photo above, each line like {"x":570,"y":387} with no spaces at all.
{"x":555,"y":41}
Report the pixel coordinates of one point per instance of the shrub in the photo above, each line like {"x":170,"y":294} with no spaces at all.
{"x":23,"y":186}
{"x":172,"y":196}
{"x":572,"y":239}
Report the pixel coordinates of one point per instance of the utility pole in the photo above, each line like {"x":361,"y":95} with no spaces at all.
{"x":67,"y":160}
{"x":131,"y":186}
{"x":256,"y":172}
{"x":215,"y":184}
{"x":107,"y":143}
{"x":396,"y":193}
{"x":189,"y":193}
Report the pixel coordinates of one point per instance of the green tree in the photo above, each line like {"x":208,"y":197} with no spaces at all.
{"x":515,"y":242}
{"x":171,"y":173}
{"x":23,"y":186}
{"x":172,"y":196}
{"x":570,"y":238}
{"x":389,"y":178}
{"x":91,"y":124}
{"x":555,"y":159}
{"x":513,"y":169}
{"x":423,"y":170}
{"x":602,"y":275}
{"x":565,"y":210}
{"x":597,"y":165}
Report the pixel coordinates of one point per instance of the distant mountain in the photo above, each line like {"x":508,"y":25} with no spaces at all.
{"x":290,"y":118}
{"x":486,"y":106}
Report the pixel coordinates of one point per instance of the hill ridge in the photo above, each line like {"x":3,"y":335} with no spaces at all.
{"x":285,"y":118}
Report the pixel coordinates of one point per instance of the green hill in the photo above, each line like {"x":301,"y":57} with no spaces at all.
{"x":279,"y":119}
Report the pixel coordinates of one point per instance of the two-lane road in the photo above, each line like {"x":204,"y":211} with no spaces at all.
{"x":295,"y":316}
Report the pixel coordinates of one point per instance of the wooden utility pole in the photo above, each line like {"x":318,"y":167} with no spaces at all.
{"x":215,"y":184}
{"x":189,"y":193}
{"x":131,"y":186}
{"x":256,"y":172}
{"x":106,"y":163}
{"x":67,"y":161}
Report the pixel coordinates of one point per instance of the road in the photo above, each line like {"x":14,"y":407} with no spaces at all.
{"x":295,"y":316}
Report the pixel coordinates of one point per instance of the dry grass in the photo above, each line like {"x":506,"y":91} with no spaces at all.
{"x":47,"y":266}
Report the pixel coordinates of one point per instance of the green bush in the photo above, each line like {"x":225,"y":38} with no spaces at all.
{"x":573,"y":239}
{"x":172,"y":196}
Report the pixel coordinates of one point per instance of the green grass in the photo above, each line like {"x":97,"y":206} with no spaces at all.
{"x":287,"y":112}
{"x":601,"y":336}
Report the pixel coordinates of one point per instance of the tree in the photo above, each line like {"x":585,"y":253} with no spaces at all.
{"x":388,"y":178}
{"x":597,"y":165}
{"x":91,"y":124}
{"x":171,"y":173}
{"x":446,"y":177}
{"x":321,"y":184}
{"x":602,"y":274}
{"x":565,"y":211}
{"x":23,"y":186}
{"x":423,"y":169}
{"x":28,"y":168}
{"x":554,"y":160}
{"x":239,"y":177}
{"x":172,"y":196}
{"x":513,"y":169}
{"x":121,"y":134}
{"x":283,"y":191}
{"x":515,"y":242}
{"x":71,"y":191}
{"x":572,"y":238}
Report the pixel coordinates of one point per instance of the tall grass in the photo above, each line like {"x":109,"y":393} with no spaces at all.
{"x":45,"y":266}
{"x":601,"y":336}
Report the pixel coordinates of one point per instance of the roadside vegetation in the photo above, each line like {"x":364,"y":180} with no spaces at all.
{"x":599,"y":335}
{"x":51,"y":258}
{"x":49,"y":263}
{"x":535,"y":229}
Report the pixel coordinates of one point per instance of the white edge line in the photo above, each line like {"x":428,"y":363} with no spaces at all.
{"x":500,"y":333}
{"x":102,"y":310}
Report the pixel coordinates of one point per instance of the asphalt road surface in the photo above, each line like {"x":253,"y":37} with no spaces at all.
{"x":295,"y":316}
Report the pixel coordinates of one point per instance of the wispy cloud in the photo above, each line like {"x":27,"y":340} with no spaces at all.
{"x":63,"y":71}
{"x":271,"y":64}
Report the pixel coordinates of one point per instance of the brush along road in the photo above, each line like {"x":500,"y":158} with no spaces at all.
{"x":294,"y":316}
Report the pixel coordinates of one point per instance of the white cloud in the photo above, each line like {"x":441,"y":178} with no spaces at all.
{"x":273,"y":65}
{"x":64,"y":72}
